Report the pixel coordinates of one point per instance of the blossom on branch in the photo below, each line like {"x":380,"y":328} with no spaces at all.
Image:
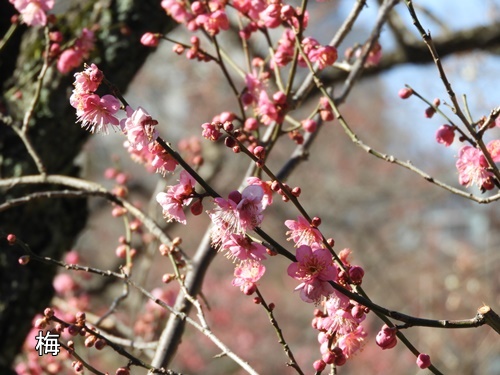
{"x":302,"y":233}
{"x":176,"y":197}
{"x":314,"y":267}
{"x":473,"y":168}
{"x":246,"y":274}
{"x":33,"y":11}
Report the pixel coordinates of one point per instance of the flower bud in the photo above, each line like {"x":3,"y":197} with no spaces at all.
{"x":423,"y":360}
{"x":386,"y":338}
{"x":405,"y":93}
{"x":356,"y":274}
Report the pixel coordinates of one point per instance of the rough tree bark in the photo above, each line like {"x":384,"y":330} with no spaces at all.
{"x":50,"y":226}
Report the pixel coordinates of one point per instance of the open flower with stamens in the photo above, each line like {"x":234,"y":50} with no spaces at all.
{"x":473,"y":168}
{"x":139,"y":127}
{"x":315,"y":269}
{"x":241,"y":247}
{"x":176,"y":197}
{"x":246,"y":274}
{"x":238,"y":214}
{"x":302,"y":233}
{"x":95,"y":113}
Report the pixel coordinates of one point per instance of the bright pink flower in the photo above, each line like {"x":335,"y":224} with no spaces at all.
{"x":267,"y":109}
{"x":74,"y":56}
{"x":309,"y":125}
{"x":314,"y":268}
{"x":386,"y":338}
{"x":33,"y":11}
{"x":445,"y":135}
{"x":247,"y":274}
{"x":302,"y":233}
{"x":214,"y":22}
{"x":323,"y":55}
{"x":150,"y":39}
{"x":211,"y":131}
{"x":89,"y":80}
{"x":96,"y":113}
{"x":176,"y":197}
{"x":177,"y":10}
{"x":472,"y":168}
{"x":68,"y":60}
{"x":139,"y":127}
{"x":423,"y":360}
{"x":241,"y":247}
{"x":271,"y":16}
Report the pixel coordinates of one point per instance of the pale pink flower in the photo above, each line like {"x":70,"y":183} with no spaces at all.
{"x":314,"y":268}
{"x":351,"y":342}
{"x":162,"y":161}
{"x":139,"y":127}
{"x":241,"y":247}
{"x":247,"y":274}
{"x":302,"y":233}
{"x":33,"y":11}
{"x":472,"y":168}
{"x":267,"y":198}
{"x":96,"y":113}
{"x":445,"y":135}
{"x":176,"y":197}
{"x":238,"y":214}
{"x":493,"y":148}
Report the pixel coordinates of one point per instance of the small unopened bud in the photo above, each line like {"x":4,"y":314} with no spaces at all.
{"x":228,"y":126}
{"x":77,"y":366}
{"x":356,"y":274}
{"x":24,"y":260}
{"x":90,"y":341}
{"x":168,"y":277}
{"x":164,"y":250}
{"x":11,"y":239}
{"x":429,"y":112}
{"x":48,"y":312}
{"x":319,"y":365}
{"x":197,"y":208}
{"x":386,"y":338}
{"x":257,"y":300}
{"x":176,"y":241}
{"x":436,"y":102}
{"x":259,"y":152}
{"x":236,"y":149}
{"x":122,"y":371}
{"x":296,"y":191}
{"x":405,"y":93}
{"x":99,"y":344}
{"x":272,"y":306}
{"x":331,"y":242}
{"x":423,"y":360}
{"x":229,"y":142}
{"x":316,"y":222}
{"x":41,"y":323}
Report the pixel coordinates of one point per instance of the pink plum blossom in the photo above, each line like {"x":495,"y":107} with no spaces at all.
{"x":33,"y":11}
{"x":472,"y":168}
{"x":246,"y":274}
{"x":493,"y":148}
{"x":302,"y":233}
{"x":351,"y":342}
{"x":139,"y":127}
{"x":267,"y":198}
{"x":89,"y":80}
{"x":95,"y":113}
{"x":238,"y":214}
{"x":74,"y":56}
{"x":314,"y":268}
{"x":176,"y":197}
{"x":242,"y":248}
